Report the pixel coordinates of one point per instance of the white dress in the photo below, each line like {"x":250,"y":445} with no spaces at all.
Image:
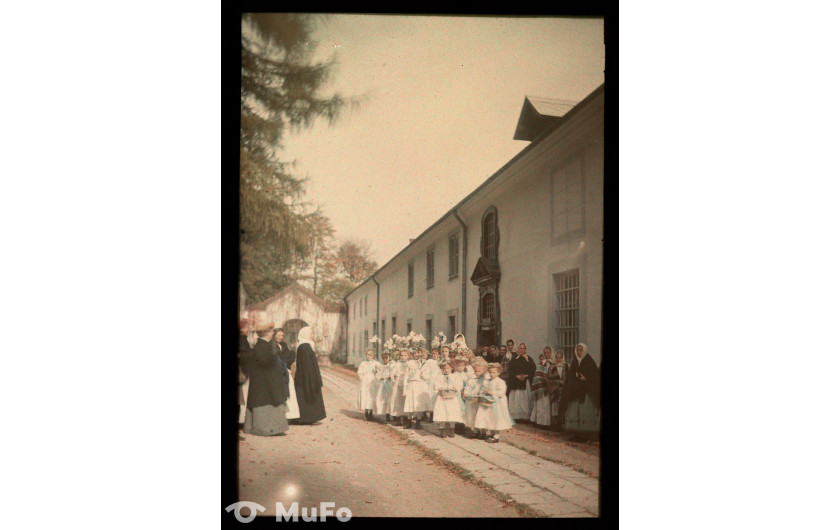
{"x":521,"y":403}
{"x":366,"y":395}
{"x":448,"y":409}
{"x":416,"y":391}
{"x":495,"y":416}
{"x":471,"y":390}
{"x":541,"y":413}
{"x":432,"y":369}
{"x":383,"y":389}
{"x":397,"y":404}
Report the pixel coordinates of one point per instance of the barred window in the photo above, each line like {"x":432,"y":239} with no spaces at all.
{"x":429,"y":330}
{"x":568,"y":313}
{"x":393,"y":325}
{"x":488,"y":307}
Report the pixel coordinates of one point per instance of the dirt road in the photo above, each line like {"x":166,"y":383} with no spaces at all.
{"x":357,"y":464}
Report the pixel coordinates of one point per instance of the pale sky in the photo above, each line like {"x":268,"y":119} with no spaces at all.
{"x":443,"y":98}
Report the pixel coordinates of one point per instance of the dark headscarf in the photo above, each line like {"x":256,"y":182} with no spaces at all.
{"x":578,"y":389}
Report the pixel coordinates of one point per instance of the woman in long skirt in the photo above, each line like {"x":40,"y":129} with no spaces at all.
{"x":520,"y":373}
{"x":308,"y":381}
{"x":382,"y":403}
{"x":368,"y":385}
{"x":583,"y":401}
{"x":269,"y":383}
{"x":541,"y":413}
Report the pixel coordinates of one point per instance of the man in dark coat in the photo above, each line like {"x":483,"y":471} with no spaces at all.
{"x":308,"y":381}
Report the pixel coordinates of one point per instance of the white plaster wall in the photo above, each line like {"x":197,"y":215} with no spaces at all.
{"x":527,"y":255}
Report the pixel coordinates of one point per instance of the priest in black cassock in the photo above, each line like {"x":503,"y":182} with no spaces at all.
{"x":308,"y":380}
{"x":520,"y":373}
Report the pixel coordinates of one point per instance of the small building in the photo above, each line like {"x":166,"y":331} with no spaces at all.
{"x":521,"y":257}
{"x":295,"y":306}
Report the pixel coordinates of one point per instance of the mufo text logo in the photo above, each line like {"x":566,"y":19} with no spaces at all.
{"x":294,"y":513}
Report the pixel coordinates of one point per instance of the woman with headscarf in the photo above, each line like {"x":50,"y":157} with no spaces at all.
{"x":308,"y":380}
{"x":520,"y":373}
{"x":556,"y":383}
{"x":583,"y":396}
{"x":269,"y":386}
{"x":541,"y":413}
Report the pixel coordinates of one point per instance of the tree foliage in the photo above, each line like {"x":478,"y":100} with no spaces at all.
{"x":280,"y":92}
{"x":355,"y":260}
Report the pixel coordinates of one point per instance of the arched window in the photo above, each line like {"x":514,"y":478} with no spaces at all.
{"x":488,"y":307}
{"x":489,"y":235}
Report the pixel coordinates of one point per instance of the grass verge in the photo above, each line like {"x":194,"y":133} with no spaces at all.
{"x":576,"y":467}
{"x":436,"y":457}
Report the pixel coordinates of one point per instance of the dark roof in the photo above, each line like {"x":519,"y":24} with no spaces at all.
{"x":556,"y":124}
{"x":539,"y":113}
{"x":329,"y":307}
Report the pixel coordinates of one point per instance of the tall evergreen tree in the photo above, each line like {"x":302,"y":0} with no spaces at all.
{"x":280,"y":92}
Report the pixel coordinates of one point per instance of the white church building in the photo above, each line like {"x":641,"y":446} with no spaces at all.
{"x":521,"y":257}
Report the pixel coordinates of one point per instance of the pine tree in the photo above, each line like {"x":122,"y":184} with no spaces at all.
{"x":280,"y":92}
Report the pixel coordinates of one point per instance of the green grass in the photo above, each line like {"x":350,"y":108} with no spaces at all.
{"x":467,"y":475}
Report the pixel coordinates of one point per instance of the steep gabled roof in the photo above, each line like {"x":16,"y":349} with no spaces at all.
{"x":329,"y":307}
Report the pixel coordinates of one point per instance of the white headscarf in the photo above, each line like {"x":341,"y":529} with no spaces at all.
{"x":305,"y":336}
{"x":585,"y":351}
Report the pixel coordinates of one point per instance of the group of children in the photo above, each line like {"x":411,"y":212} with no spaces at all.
{"x":460,"y":394}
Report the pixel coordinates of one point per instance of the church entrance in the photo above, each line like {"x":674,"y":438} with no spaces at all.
{"x":292,"y":327}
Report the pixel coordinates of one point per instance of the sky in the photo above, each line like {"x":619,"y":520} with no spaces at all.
{"x":440,"y":99}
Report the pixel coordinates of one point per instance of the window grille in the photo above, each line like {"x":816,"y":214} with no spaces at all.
{"x":568,"y":312}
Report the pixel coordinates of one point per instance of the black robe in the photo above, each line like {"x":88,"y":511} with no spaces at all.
{"x":308,"y":386}
{"x":520,"y":366}
{"x":269,"y":378}
{"x":577,"y":389}
{"x":286,"y":354}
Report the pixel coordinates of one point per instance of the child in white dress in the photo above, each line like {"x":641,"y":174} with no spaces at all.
{"x":471,"y":392}
{"x":416,"y":387}
{"x":382,"y":403}
{"x":449,"y":407}
{"x":429,"y":369}
{"x":459,"y":365}
{"x":493,"y":413}
{"x":398,"y":392}
{"x":434,"y":356}
{"x":366,"y":396}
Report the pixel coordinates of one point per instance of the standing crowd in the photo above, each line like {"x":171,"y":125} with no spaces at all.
{"x":481,"y":394}
{"x":277,"y":386}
